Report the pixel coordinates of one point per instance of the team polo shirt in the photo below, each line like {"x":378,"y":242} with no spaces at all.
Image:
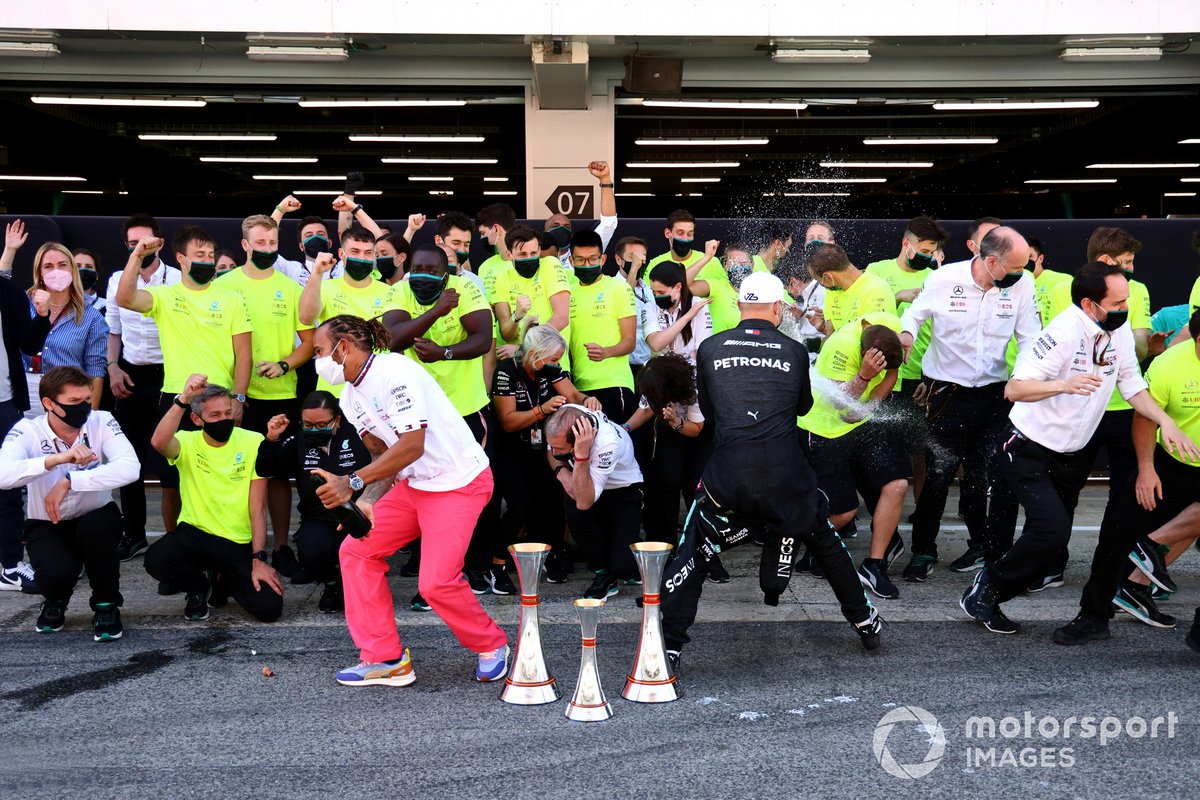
{"x":1043,"y":291}
{"x":196,"y":329}
{"x":596,"y":314}
{"x":898,"y":280}
{"x":460,"y":379}
{"x":971,"y":327}
{"x":839,"y":363}
{"x":721,"y":294}
{"x":215,"y":482}
{"x":1071,"y":345}
{"x":549,"y":280}
{"x":1174,"y":379}
{"x":273,"y":305}
{"x":867,"y":295}
{"x":392,"y":396}
{"x":759,"y":265}
{"x":1194,"y":297}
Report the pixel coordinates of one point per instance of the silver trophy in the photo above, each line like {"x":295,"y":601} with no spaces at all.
{"x":529,"y":683}
{"x":651,"y":680}
{"x":589,"y":703}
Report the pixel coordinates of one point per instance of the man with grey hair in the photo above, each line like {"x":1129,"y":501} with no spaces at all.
{"x":593,"y":459}
{"x":975,"y":308}
{"x":223,"y":523}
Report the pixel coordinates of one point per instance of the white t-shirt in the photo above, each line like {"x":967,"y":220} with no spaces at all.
{"x":658,"y":320}
{"x":612,"y":464}
{"x":395,"y":395}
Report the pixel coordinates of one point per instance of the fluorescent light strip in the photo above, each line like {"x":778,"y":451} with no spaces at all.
{"x":693,"y":194}
{"x":46,"y":100}
{"x":700,"y":142}
{"x":257,"y":160}
{"x":441,"y":192}
{"x":495,"y":180}
{"x":430,"y":178}
{"x":932,"y":140}
{"x":635,"y":180}
{"x":699,"y":180}
{"x":207,"y":137}
{"x":683,"y":164}
{"x":439,"y":160}
{"x":815,"y":194}
{"x":365,"y":103}
{"x":40,"y":178}
{"x":740,"y":105}
{"x":837,"y":180}
{"x":1189,"y":141}
{"x":1142,"y":166}
{"x":449,"y":137}
{"x":334,"y":192}
{"x":1179,"y":194}
{"x":1189,"y":180}
{"x":633,"y":194}
{"x":1073,"y":180}
{"x":874,"y":164}
{"x":1012,"y":105}
{"x":97,"y":191}
{"x":298,"y":177}
{"x":499,"y":193}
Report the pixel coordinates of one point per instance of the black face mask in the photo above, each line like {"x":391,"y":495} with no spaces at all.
{"x":88,"y":278}
{"x":263,"y":259}
{"x":202,"y":272}
{"x":147,"y":261}
{"x":359,"y":268}
{"x":665,"y":302}
{"x":1114,"y":320}
{"x":317,"y":437}
{"x":681,"y":247}
{"x":219,"y":431}
{"x":462,"y":258}
{"x":1030,"y":266}
{"x":564,"y":458}
{"x":560,"y":237}
{"x":315,"y":245}
{"x":387,"y":267}
{"x":1128,"y":273}
{"x":588,"y":275}
{"x":1009,"y":279}
{"x":526,"y":267}
{"x":74,"y":414}
{"x":549,"y":372}
{"x":426,"y":289}
{"x":922,"y":261}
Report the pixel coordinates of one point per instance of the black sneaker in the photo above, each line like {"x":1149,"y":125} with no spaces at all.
{"x":196,"y":609}
{"x":804,"y":563}
{"x":1158,"y":595}
{"x":979,"y":600}
{"x":673,"y":659}
{"x":412,"y":567}
{"x":1046,"y":582}
{"x":558,"y":569}
{"x":331,"y":601}
{"x":477,"y":580}
{"x":919,"y":568}
{"x":968,"y":561}
{"x":1081,"y":630}
{"x":419,"y":604}
{"x":498,"y":580}
{"x":849,"y":530}
{"x":603,"y":585}
{"x":717,"y":572}
{"x":106,"y":623}
{"x":130,"y":549}
{"x":284,"y":561}
{"x":999,"y":623}
{"x":895,"y":549}
{"x":166,"y":589}
{"x":53,"y":616}
{"x":1135,"y":601}
{"x":873,"y":575}
{"x":1147,"y":556}
{"x":869,"y":630}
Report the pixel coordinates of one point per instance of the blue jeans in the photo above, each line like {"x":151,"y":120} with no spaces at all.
{"x":12,"y":502}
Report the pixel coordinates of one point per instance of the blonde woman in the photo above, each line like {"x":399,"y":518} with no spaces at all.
{"x":78,"y":335}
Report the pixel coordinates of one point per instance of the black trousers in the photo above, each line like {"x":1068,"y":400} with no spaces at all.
{"x":533,"y":498}
{"x":605,"y":531}
{"x":674,"y":471}
{"x":617,"y":403}
{"x":966,"y":424}
{"x":12,"y":501}
{"x":183,"y":556}
{"x":59,"y":552}
{"x":765,"y":487}
{"x":1115,"y":437}
{"x":485,"y":539}
{"x":1125,"y":521}
{"x":317,"y":543}
{"x":1047,"y":485}
{"x":138,"y":415}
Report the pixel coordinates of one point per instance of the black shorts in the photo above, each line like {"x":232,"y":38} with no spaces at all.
{"x":168,"y":476}
{"x":902,"y":414}
{"x":862,"y":461}
{"x":259,"y":412}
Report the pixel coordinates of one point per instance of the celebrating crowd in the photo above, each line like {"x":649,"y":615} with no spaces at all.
{"x":573,"y":390}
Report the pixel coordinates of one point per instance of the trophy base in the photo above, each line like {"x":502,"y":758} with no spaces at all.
{"x":589,"y":713}
{"x":530,"y":694}
{"x":652,"y":691}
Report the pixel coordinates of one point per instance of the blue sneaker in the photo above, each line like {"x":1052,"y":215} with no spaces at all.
{"x":493,"y":665}
{"x":380,"y":673}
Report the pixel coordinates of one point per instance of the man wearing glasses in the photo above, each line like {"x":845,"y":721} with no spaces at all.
{"x":1060,"y":388}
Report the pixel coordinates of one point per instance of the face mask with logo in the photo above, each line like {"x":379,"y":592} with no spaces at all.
{"x":560,"y":236}
{"x":426,"y":288}
{"x":88,"y":278}
{"x":681,"y":247}
{"x":922,"y":261}
{"x":147,"y":261}
{"x":263,"y":259}
{"x":526,"y":267}
{"x":219,"y":431}
{"x":329,"y":370}
{"x":57,"y":280}
{"x":202,"y":271}
{"x":664,"y":301}
{"x":317,"y":437}
{"x":359,"y":268}
{"x":387,"y":267}
{"x":315,"y":245}
{"x":588,"y":275}
{"x":74,"y":415}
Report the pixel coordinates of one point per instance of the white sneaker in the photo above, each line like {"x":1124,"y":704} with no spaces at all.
{"x":18,"y":579}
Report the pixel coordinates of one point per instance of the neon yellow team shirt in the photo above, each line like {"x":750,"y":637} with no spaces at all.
{"x":898,"y":280}
{"x":1043,"y":288}
{"x":196,"y":330}
{"x":1174,"y":379}
{"x":339,"y":297}
{"x":723,"y":297}
{"x":596,"y":312}
{"x":867,"y":295}
{"x":840,"y":360}
{"x":215,"y":482}
{"x":273,"y":305}
{"x":549,"y":280}
{"x":1194,"y":298}
{"x":460,"y":379}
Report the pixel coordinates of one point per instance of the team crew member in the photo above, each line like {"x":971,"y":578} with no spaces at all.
{"x":1060,"y":387}
{"x":851,"y":454}
{"x":594,"y":462}
{"x":392,"y":256}
{"x":532,"y":288}
{"x":1167,"y":483}
{"x":558,"y":226}
{"x":324,"y":442}
{"x":200,"y":326}
{"x":850,"y":293}
{"x":273,"y":304}
{"x":974,"y":308}
{"x":89,"y":278}
{"x":313,"y":239}
{"x":681,"y":322}
{"x":777,"y":240}
{"x":223,"y":526}
{"x":1045,"y":280}
{"x":603,"y":329}
{"x":753,"y":384}
{"x":712,"y":280}
{"x":527,"y":389}
{"x":441,"y":484}
{"x":69,"y":460}
{"x":630,"y":258}
{"x":135,"y":375}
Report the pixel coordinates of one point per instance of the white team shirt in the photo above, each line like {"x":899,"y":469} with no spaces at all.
{"x":643,"y":297}
{"x":611,"y":463}
{"x":395,"y":395}
{"x":300,"y":271}
{"x":139,"y":334}
{"x":658,"y":319}
{"x":23,"y":463}
{"x":1070,"y":345}
{"x":971,"y":328}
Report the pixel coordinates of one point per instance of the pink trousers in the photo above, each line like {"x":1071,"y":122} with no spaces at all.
{"x":444,"y":521}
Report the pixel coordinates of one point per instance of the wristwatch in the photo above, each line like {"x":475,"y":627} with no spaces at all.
{"x":261,"y":555}
{"x":448,"y":355}
{"x":356,"y":483}
{"x":181,"y":404}
{"x":606,"y":186}
{"x":241,"y":398}
{"x":283,"y":365}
